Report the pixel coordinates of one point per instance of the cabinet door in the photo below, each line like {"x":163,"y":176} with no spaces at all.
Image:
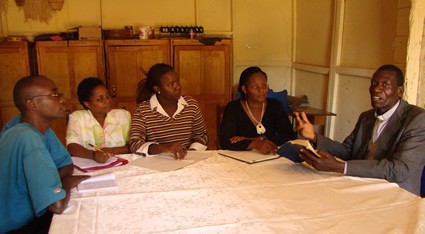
{"x":67,"y":63}
{"x":205,"y":75}
{"x":14,"y":65}
{"x":127,"y":60}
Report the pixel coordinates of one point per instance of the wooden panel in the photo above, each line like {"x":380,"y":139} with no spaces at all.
{"x":214,"y":60}
{"x":67,"y":63}
{"x":127,"y":60}
{"x":14,"y":64}
{"x":86,"y":62}
{"x":189,"y":66}
{"x":209,"y":110}
{"x":53,"y":62}
{"x":205,"y":75}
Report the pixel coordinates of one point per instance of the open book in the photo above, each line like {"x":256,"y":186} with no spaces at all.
{"x":88,"y":165}
{"x":251,"y":156}
{"x":291,"y":149}
{"x":96,"y":183}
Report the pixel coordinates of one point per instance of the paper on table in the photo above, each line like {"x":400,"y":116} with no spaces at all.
{"x":96,"y":183}
{"x":88,"y":165}
{"x":165,"y":162}
{"x":251,"y":156}
{"x":84,"y":163}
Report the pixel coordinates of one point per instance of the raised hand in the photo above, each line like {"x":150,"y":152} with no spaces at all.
{"x":304,"y":127}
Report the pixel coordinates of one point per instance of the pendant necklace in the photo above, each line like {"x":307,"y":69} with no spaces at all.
{"x":260,"y":128}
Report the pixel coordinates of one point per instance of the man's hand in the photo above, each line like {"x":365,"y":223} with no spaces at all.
{"x":326,"y":162}
{"x":69,"y":182}
{"x":304,"y":127}
{"x":66,"y":170}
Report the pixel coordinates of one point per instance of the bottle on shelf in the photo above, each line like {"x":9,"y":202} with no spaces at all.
{"x":172,"y":31}
{"x":191,"y":33}
{"x":201,"y":31}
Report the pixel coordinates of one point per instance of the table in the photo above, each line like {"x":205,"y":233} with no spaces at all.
{"x":222,"y":195}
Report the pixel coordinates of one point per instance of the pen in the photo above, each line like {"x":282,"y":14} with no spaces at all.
{"x":96,"y":148}
{"x":99,"y":149}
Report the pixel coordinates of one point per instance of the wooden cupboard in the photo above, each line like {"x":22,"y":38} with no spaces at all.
{"x":127,"y":61}
{"x":67,"y":63}
{"x":205,"y":74}
{"x":14,"y":64}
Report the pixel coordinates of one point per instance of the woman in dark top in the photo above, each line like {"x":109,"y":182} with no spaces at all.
{"x":255,"y":121}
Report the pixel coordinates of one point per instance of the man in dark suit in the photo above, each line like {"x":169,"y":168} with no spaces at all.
{"x":387,"y":142}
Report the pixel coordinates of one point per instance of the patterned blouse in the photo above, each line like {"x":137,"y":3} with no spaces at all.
{"x":84,"y":129}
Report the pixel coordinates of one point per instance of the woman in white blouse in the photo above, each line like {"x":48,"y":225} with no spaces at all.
{"x":98,"y":126}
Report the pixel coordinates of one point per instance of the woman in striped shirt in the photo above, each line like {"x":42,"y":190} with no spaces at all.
{"x":164,"y":121}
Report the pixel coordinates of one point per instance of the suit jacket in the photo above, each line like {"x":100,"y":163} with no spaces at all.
{"x":400,"y":154}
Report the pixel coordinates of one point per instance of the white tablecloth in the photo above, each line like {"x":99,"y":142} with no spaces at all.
{"x":222,"y":195}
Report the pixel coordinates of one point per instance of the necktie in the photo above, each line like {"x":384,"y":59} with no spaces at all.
{"x":375,"y":131}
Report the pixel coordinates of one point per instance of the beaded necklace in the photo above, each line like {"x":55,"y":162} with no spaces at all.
{"x":260,"y":128}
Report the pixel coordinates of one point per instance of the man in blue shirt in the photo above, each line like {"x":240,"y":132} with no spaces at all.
{"x":57,"y":150}
{"x":31,"y":156}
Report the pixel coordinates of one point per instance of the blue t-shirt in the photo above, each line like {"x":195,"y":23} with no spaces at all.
{"x":29,"y":178}
{"x":57,"y":150}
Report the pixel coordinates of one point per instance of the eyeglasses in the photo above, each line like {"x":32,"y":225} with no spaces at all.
{"x":56,"y":95}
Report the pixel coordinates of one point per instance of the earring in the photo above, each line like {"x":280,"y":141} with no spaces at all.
{"x":159,"y":92}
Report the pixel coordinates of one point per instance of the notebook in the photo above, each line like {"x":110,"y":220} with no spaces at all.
{"x":89,"y":165}
{"x":252,"y":156}
{"x":96,"y":183}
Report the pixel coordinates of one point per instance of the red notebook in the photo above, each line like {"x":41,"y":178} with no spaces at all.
{"x":89,"y":165}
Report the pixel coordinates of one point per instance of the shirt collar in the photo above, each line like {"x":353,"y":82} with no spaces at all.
{"x":181,"y":103}
{"x":386,"y":116}
{"x":107,"y":119}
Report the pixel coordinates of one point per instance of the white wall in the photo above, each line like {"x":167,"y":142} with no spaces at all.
{"x":262,"y":32}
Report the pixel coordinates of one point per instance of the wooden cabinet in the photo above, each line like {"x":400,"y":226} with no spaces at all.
{"x":127,"y":62}
{"x":205,"y":74}
{"x":67,"y":63}
{"x":14,"y":64}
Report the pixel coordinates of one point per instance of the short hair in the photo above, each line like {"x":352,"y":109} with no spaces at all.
{"x":153,"y":77}
{"x":85,"y":89}
{"x":245,"y":76}
{"x":394,"y":68}
{"x":21,"y":91}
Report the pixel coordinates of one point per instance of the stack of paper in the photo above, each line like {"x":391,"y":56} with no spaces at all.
{"x":100,"y":182}
{"x":88,"y":165}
